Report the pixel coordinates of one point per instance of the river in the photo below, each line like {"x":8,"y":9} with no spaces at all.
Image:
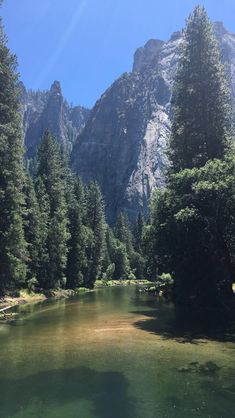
{"x":112,"y":353}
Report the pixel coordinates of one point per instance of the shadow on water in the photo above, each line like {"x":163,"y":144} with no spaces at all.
{"x":162,"y":319}
{"x":107,"y":391}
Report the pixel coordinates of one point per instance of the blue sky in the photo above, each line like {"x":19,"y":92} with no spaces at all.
{"x":87,"y":44}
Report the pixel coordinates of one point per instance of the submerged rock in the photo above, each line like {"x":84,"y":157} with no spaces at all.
{"x":229,"y":388}
{"x":184,"y":369}
{"x":209,"y":368}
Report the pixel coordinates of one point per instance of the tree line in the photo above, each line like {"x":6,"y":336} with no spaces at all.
{"x":53,"y":231}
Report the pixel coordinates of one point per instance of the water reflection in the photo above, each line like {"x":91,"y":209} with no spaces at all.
{"x":163,"y":320}
{"x":106,"y":391}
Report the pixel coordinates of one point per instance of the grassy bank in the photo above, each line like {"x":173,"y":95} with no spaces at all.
{"x":8,"y":302}
{"x":24,"y":296}
{"x":110,"y":283}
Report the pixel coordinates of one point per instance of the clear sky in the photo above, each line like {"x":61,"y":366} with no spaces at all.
{"x":87,"y":44}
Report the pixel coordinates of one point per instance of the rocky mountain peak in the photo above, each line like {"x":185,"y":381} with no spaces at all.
{"x":56,"y":88}
{"x":144,"y":55}
{"x":44,"y":110}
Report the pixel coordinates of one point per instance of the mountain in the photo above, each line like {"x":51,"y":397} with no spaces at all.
{"x":124,"y":142}
{"x":43,"y":110}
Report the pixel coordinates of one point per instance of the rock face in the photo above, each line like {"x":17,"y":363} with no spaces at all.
{"x":48,"y":110}
{"x":123,"y":145}
{"x":144,"y":55}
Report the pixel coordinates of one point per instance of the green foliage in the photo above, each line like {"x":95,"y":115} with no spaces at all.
{"x":51,"y":177}
{"x":192,"y":226}
{"x":197,"y":210}
{"x":121,"y":261}
{"x":123,"y":232}
{"x":95,"y":222}
{"x":138,"y":264}
{"x":44,"y":223}
{"x":165,"y":282}
{"x":32,"y":228}
{"x":32,"y":284}
{"x":117,"y":255}
{"x":130,"y":253}
{"x":13,"y":252}
{"x":201,"y":104}
{"x":108,"y":274}
{"x":77,"y":243}
{"x":131,"y":276}
{"x":138,"y":233}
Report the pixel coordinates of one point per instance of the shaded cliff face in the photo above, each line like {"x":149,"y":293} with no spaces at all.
{"x":124,"y":143}
{"x":48,"y":110}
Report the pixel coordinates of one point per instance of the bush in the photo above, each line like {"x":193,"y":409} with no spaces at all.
{"x":166,"y":278}
{"x":14,"y":293}
{"x":131,"y":276}
{"x":165,"y":282}
{"x":108,"y":274}
{"x":32,"y":284}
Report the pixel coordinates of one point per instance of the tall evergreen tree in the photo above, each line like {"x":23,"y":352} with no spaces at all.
{"x":201,"y":104}
{"x":123,"y":232}
{"x":139,"y":232}
{"x":44,"y":222}
{"x":51,"y":171}
{"x":95,"y":221}
{"x":33,"y":228}
{"x":117,"y":257}
{"x":13,"y":253}
{"x":77,"y":261}
{"x":190,"y":235}
{"x":131,"y":244}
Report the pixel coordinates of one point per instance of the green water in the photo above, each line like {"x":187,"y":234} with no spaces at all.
{"x":113,"y":353}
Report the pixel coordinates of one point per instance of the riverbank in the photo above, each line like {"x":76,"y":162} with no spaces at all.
{"x":9,"y":302}
{"x":26,"y":297}
{"x":112,"y":283}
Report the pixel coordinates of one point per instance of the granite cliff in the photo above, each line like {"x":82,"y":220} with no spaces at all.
{"x":48,"y":110}
{"x":123,"y":145}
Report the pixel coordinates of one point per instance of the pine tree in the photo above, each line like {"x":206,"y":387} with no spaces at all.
{"x":32,"y":226}
{"x":138,"y":233}
{"x":132,"y":244}
{"x":123,"y":232}
{"x":201,"y":103}
{"x":52,"y":174}
{"x":13,"y":253}
{"x":77,"y":261}
{"x":116,"y":261}
{"x":95,"y":221}
{"x":188,"y":236}
{"x":44,"y":222}
{"x":121,"y":261}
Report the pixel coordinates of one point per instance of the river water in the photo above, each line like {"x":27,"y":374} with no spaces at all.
{"x":112,"y":353}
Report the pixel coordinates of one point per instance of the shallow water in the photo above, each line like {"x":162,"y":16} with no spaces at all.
{"x":113,"y":353}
